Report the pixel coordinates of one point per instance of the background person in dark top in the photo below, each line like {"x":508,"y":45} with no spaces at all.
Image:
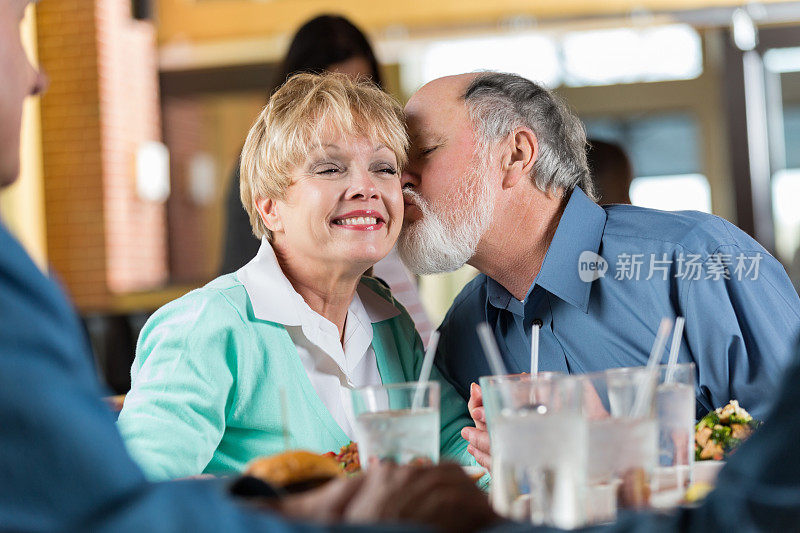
{"x":611,"y":171}
{"x":325,"y":43}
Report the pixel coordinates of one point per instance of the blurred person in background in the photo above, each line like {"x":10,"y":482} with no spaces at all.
{"x":327,"y":43}
{"x":320,"y":180}
{"x":611,"y":171}
{"x":63,"y":464}
{"x":497,"y":178}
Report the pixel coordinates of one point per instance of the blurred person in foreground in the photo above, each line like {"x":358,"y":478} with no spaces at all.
{"x":320,"y":180}
{"x":611,"y":171}
{"x":497,"y":178}
{"x":63,"y":464}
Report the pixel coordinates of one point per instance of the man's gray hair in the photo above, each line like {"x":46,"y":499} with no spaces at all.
{"x":498,"y":103}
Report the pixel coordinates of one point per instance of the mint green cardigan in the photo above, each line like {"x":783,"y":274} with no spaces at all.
{"x":206,"y":382}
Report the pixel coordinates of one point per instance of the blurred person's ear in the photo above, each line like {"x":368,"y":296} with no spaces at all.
{"x":518,"y":156}
{"x":267,"y":209}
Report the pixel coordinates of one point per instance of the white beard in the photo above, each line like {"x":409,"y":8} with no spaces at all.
{"x":447,"y":235}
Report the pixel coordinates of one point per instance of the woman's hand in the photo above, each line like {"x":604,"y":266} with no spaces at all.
{"x":478,"y":437}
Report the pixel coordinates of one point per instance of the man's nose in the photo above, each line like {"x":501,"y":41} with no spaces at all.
{"x":409,"y":178}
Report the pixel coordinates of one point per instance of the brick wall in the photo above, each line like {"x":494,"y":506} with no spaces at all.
{"x":101,"y":103}
{"x":184,"y":127}
{"x":135,"y":230}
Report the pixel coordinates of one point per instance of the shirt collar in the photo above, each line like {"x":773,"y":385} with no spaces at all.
{"x":274,"y":299}
{"x":580,"y":229}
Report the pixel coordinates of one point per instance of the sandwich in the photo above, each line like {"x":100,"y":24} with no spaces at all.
{"x":294,"y":471}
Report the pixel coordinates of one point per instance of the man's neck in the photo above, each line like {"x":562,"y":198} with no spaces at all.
{"x":513,"y":249}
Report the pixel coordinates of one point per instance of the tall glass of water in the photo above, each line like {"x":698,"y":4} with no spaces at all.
{"x":619,"y":406}
{"x":538,"y":439}
{"x":675,"y":411}
{"x":397,"y":423}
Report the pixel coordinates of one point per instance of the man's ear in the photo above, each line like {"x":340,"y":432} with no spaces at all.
{"x":268,"y":210}
{"x":521,"y":153}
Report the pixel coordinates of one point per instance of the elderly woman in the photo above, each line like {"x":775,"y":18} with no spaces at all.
{"x":263,"y":359}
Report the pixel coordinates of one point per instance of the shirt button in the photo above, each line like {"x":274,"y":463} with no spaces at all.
{"x":538,"y":322}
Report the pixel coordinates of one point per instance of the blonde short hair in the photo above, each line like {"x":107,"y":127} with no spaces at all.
{"x":289,"y":128}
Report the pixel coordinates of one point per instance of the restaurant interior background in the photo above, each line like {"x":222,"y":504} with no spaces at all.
{"x":127,"y":157}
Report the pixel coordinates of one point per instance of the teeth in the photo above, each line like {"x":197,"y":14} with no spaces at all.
{"x":357,"y":221}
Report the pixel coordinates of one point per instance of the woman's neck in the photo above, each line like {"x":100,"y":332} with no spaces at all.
{"x":327,"y":289}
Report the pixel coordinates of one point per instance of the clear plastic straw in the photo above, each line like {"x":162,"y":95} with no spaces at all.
{"x":492,"y":353}
{"x":425,"y":372}
{"x":644,"y":390}
{"x":674,"y":348}
{"x":491,"y":350}
{"x":535,"y":350}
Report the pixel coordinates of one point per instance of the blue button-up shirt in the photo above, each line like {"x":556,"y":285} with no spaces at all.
{"x":741,"y":310}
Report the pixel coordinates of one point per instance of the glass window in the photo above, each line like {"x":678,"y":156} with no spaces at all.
{"x":664,"y":152}
{"x":672,"y":193}
{"x":628,"y":55}
{"x":783,"y":68}
{"x":791,"y":129}
{"x":786,"y":210}
{"x":577,"y":58}
{"x":532,"y":56}
{"x":661,"y":144}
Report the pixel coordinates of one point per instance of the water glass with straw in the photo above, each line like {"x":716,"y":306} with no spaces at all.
{"x":539,"y":450}
{"x":618,"y":404}
{"x":399,"y":422}
{"x":675,"y":412}
{"x":538,"y":439}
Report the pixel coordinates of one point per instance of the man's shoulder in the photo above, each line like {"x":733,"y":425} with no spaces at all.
{"x":15,"y":263}
{"x":693,"y":231}
{"x":21,"y":279}
{"x":37,"y":323}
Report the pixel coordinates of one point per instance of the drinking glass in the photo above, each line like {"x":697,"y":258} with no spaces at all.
{"x":538,"y":439}
{"x":675,"y":411}
{"x":622,"y":444}
{"x":397,"y":423}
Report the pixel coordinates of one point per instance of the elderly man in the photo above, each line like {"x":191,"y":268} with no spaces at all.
{"x":498,"y":179}
{"x":63,"y":464}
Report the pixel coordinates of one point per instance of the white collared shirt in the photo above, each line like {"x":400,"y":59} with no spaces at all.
{"x":332,"y":369}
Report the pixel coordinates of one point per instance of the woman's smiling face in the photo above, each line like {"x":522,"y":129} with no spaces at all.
{"x":344,"y":204}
